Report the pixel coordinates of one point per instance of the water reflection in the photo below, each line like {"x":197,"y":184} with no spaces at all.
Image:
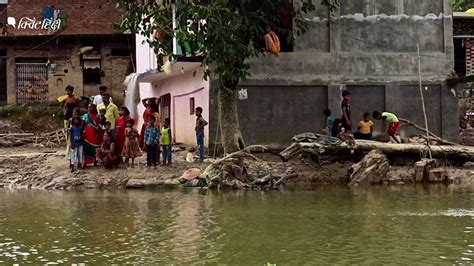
{"x":330,"y":225}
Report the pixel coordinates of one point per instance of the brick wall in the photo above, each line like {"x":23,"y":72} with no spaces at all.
{"x":3,"y":14}
{"x":115,"y":70}
{"x":83,"y":17}
{"x":63,"y":53}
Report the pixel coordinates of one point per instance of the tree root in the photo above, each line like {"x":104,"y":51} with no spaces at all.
{"x":243,"y":170}
{"x":259,"y":148}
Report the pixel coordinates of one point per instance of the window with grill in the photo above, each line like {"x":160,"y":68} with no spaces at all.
{"x":91,"y":71}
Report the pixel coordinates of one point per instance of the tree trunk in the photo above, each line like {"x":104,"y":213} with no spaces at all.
{"x":229,"y":119}
{"x":371,"y":170}
{"x":457,"y":153}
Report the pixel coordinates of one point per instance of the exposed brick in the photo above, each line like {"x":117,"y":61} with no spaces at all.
{"x":83,"y":17}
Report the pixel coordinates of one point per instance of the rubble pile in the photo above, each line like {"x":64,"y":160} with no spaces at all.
{"x":50,"y":139}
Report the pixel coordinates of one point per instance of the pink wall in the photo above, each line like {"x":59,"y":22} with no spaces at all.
{"x":182,"y":88}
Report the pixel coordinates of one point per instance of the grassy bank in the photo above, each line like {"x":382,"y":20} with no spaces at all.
{"x":35,"y":118}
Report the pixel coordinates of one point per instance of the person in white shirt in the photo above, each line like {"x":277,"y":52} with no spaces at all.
{"x":98,"y":98}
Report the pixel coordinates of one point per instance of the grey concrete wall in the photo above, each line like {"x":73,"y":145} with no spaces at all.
{"x":272,"y":115}
{"x":369,"y":48}
{"x":365,"y":98}
{"x":392,"y":7}
{"x":391,"y":34}
{"x":368,"y":39}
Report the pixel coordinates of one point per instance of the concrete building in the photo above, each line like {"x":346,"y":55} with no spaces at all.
{"x":368,"y":48}
{"x":51,"y":44}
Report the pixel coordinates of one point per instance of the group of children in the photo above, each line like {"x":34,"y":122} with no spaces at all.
{"x":342,"y":128}
{"x":153,"y":138}
{"x":112,"y":149}
{"x":108,"y":153}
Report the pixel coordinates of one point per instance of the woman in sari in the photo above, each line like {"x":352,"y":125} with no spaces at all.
{"x":107,"y":153}
{"x":92,"y":134}
{"x":121,"y":124}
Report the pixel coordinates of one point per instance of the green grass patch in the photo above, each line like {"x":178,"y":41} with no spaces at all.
{"x":35,"y":118}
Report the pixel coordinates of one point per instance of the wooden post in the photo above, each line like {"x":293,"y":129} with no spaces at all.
{"x":423,"y":102}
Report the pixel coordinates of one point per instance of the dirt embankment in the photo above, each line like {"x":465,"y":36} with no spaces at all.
{"x":48,"y":169}
{"x":27,"y":167}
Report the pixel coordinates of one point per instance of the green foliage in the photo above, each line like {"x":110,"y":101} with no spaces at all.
{"x":462,"y":5}
{"x":36,"y":117}
{"x":221,"y":30}
{"x":11,"y":110}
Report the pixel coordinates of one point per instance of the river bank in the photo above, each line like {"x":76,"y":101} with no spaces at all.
{"x":36,"y":168}
{"x":42,"y":168}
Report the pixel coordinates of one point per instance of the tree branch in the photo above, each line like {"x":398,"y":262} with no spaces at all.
{"x":432,"y":135}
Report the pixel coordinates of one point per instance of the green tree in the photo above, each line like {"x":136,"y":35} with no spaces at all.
{"x":462,"y":5}
{"x":223,"y":31}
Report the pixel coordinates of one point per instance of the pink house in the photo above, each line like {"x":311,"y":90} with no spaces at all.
{"x":179,"y":91}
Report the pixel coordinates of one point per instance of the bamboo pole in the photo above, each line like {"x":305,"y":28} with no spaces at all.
{"x":423,"y":102}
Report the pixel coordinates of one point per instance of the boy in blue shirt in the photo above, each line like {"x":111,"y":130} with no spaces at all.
{"x":77,"y":143}
{"x":329,"y":121}
{"x":151,"y":140}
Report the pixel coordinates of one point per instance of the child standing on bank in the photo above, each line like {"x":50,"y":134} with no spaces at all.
{"x":346,"y":111}
{"x":200,"y":124}
{"x":151,"y":141}
{"x":131,"y":149}
{"x":166,"y":141}
{"x":365,"y":128}
{"x":77,"y":143}
{"x":393,"y":123}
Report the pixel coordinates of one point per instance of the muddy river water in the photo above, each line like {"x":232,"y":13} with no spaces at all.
{"x":330,"y":225}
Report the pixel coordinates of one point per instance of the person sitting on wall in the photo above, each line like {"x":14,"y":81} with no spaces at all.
{"x":272,"y":42}
{"x":329,"y":121}
{"x":98,"y":98}
{"x":365,"y":128}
